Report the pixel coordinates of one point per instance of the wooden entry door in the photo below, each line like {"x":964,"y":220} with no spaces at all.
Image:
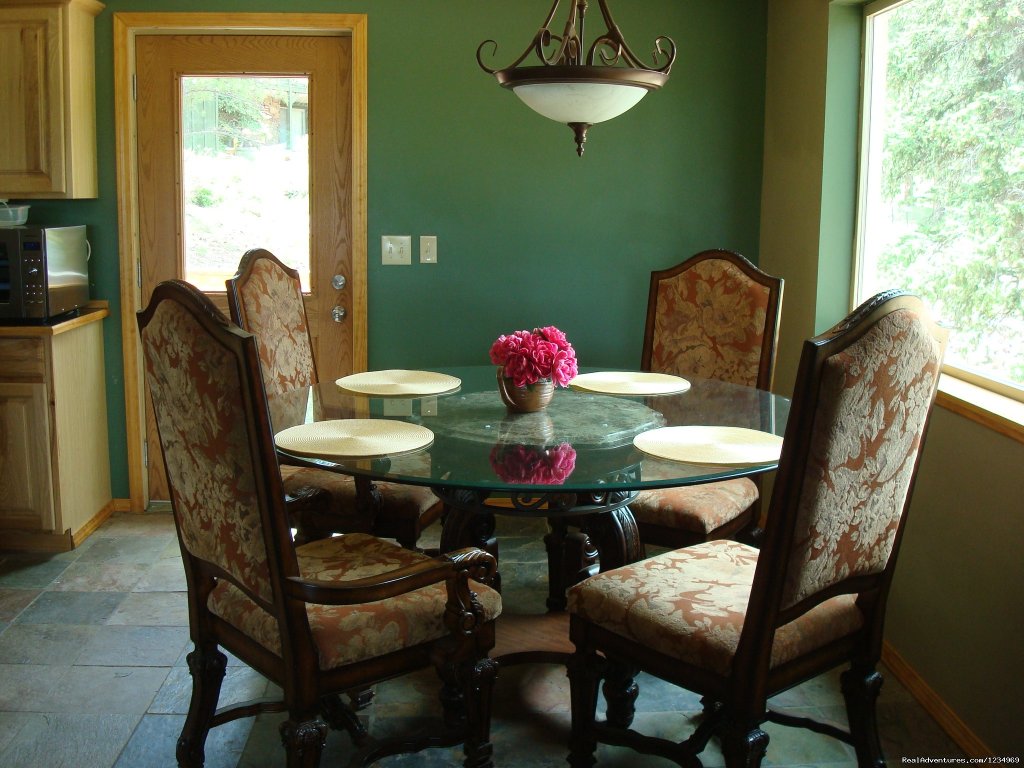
{"x":163,"y":64}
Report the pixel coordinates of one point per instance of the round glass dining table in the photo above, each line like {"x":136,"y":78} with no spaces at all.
{"x":573,"y":462}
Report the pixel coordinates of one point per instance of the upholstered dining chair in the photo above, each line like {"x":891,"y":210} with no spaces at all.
{"x":319,"y":619}
{"x":265,"y":298}
{"x":738,"y":625}
{"x":715,"y":316}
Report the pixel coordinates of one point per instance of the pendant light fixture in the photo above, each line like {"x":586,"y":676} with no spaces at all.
{"x":577,"y":85}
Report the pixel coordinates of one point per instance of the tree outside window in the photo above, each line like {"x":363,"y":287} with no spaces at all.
{"x":942,"y":192}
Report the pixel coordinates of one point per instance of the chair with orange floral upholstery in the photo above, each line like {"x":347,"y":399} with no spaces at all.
{"x":739,"y":625}
{"x":320,"y":619}
{"x":265,"y":298}
{"x":715,"y":316}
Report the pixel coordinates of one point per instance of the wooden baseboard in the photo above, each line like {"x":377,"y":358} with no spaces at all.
{"x":933,"y":704}
{"x":122,"y":505}
{"x":93,"y":523}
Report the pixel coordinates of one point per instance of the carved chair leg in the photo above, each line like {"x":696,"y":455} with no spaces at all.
{"x":620,"y":692}
{"x":861,"y":686}
{"x":304,"y":742}
{"x":207,"y":666}
{"x":584,"y":669}
{"x":743,"y":746}
{"x":478,"y":696}
{"x":341,"y":717}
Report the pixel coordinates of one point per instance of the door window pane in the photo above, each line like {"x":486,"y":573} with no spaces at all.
{"x":246,"y":173}
{"x":942,"y":197}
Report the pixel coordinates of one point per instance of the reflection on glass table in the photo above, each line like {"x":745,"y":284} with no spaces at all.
{"x":573,"y":462}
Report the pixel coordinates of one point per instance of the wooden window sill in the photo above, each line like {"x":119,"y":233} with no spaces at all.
{"x":990,"y":409}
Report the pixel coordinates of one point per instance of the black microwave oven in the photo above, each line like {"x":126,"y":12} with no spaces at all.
{"x":43,"y":272}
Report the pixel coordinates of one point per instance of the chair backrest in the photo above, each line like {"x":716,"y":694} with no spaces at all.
{"x":211,"y":414}
{"x":716,"y":316}
{"x":859,"y":415}
{"x":265,"y":298}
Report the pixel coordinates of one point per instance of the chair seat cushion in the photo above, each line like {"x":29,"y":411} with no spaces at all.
{"x":696,"y":508}
{"x":690,"y":604}
{"x":351,"y":633}
{"x":398,"y":502}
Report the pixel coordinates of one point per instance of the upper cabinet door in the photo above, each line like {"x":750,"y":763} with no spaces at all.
{"x":47,"y":99}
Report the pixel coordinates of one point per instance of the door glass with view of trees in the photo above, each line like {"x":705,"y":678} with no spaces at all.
{"x":942,"y":210}
{"x":246,"y":173}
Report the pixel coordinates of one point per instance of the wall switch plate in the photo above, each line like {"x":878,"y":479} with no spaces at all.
{"x":396,"y":249}
{"x":428,"y":406}
{"x":397,"y":406}
{"x":428,"y":249}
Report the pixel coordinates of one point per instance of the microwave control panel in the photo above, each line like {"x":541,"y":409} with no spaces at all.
{"x":33,"y":271}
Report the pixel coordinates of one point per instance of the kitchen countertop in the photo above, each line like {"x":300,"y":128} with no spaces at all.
{"x":92,"y":312}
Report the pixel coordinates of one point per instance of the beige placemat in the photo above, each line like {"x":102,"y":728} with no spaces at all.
{"x":354,"y":438}
{"x":630,"y":383}
{"x":399,"y":383}
{"x":732,"y":446}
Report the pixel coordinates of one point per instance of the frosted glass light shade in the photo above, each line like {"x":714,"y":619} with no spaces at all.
{"x":579,"y":102}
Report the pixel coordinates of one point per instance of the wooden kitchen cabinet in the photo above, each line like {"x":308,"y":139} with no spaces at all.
{"x":55,"y":470}
{"x":48,"y":98}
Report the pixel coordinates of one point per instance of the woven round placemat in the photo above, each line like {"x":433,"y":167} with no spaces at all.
{"x":630,"y":383}
{"x":728,"y":446}
{"x":354,"y":438}
{"x":399,"y":383}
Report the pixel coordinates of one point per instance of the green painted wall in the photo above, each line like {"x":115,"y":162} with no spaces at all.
{"x":839,"y":171}
{"x":529,"y":234}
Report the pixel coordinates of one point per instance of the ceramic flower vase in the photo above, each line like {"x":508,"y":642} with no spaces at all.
{"x":529,"y":399}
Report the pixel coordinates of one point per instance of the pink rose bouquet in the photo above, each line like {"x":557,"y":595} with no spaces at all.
{"x":529,"y":356}
{"x":532,"y":465}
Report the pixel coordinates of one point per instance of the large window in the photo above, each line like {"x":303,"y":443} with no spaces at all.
{"x":942,"y":173}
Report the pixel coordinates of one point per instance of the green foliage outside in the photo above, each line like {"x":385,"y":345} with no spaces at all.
{"x":245,"y":167}
{"x":954,"y":172}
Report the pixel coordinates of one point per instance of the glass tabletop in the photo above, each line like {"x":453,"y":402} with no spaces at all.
{"x":582,"y":441}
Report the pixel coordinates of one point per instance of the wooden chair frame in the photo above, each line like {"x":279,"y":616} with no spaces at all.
{"x":736,"y":703}
{"x":311,"y":694}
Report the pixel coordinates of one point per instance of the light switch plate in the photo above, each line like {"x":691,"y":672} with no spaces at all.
{"x":396,"y":249}
{"x":397,"y":406}
{"x":428,"y":249}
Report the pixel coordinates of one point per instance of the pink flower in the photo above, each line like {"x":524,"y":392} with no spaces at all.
{"x":529,"y":356}
{"x":533,"y":465}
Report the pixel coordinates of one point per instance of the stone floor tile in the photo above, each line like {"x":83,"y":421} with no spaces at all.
{"x":154,"y":741}
{"x":165,"y":575}
{"x":131,"y":646}
{"x":85,"y":690}
{"x":71,"y":608}
{"x":153,"y":609}
{"x":87,"y":576}
{"x":66,"y":740}
{"x":31,"y":571}
{"x":14,"y":601}
{"x":51,"y":644}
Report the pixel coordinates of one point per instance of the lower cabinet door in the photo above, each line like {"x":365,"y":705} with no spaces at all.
{"x":26,"y":483}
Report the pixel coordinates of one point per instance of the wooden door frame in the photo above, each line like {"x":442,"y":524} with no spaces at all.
{"x":127,"y":26}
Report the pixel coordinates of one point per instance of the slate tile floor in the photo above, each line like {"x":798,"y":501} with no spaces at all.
{"x":93,"y":675}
